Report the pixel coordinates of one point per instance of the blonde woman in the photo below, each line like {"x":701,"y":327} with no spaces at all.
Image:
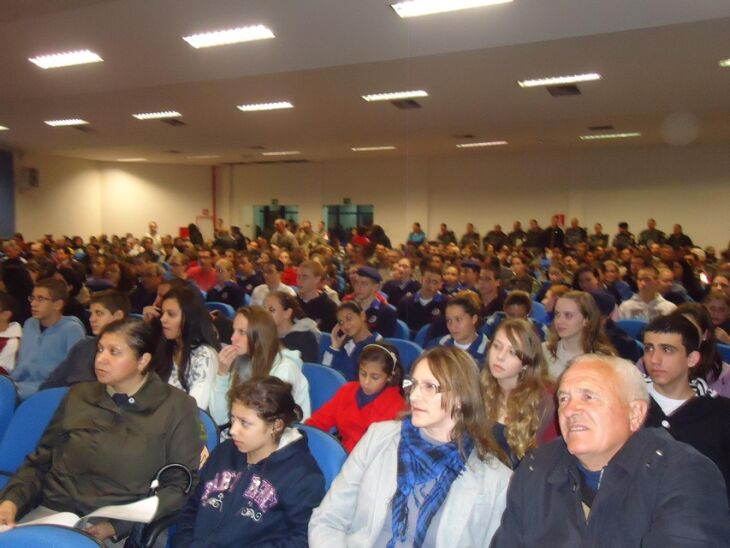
{"x":517,"y":394}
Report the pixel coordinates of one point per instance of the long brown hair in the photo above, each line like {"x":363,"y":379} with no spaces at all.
{"x":525,"y":405}
{"x":263,"y":341}
{"x":458,"y":376}
{"x":593,"y":338}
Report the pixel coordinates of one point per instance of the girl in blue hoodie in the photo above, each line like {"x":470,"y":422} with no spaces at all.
{"x":259,"y":487}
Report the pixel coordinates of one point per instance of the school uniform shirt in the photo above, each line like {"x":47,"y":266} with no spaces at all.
{"x":41,"y":350}
{"x":381,"y":318}
{"x":229,"y":293}
{"x":448,"y":291}
{"x":346,"y":359}
{"x":477,"y":349}
{"x":249,"y":283}
{"x":9,"y":344}
{"x":702,"y":422}
{"x":322,"y":310}
{"x":636,"y":309}
{"x":395,"y":291}
{"x":264,"y":504}
{"x":351,"y":420}
{"x":416,"y":312}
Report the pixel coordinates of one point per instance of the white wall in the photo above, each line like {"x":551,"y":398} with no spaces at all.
{"x":689,"y":185}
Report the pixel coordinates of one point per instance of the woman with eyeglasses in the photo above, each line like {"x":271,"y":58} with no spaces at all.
{"x":376,"y":397}
{"x":432,"y":479}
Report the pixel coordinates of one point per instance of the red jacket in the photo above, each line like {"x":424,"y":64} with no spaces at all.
{"x":341,"y":412}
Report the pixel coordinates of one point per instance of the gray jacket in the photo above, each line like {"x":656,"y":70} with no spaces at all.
{"x":354,"y":511}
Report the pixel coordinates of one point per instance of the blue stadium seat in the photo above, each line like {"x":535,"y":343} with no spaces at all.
{"x":323,"y":383}
{"x":408,"y":351}
{"x":634,"y":328}
{"x":26,"y":428}
{"x":212,"y":435}
{"x":326,"y":450}
{"x":246,"y":300}
{"x":420,"y":338}
{"x":223,"y":308}
{"x":325,"y":339}
{"x":539,"y":314}
{"x":724,"y":352}
{"x":51,"y":536}
{"x":402,"y":331}
{"x":8,"y":399}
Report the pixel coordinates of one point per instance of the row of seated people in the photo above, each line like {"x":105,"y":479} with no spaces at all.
{"x":448,"y":463}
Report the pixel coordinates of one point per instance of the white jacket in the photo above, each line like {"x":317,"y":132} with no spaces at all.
{"x":9,"y":351}
{"x":354,"y":511}
{"x":287,"y":366}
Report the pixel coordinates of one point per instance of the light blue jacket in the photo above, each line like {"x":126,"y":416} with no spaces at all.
{"x":42,"y":351}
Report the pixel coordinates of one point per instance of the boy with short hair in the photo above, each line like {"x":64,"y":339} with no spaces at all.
{"x":314,"y":302}
{"x":272,"y":282}
{"x":47,"y":336}
{"x":681,"y":404}
{"x":647,"y":304}
{"x":380,"y":317}
{"x":426,"y":304}
{"x":10,"y":334}
{"x":106,"y":307}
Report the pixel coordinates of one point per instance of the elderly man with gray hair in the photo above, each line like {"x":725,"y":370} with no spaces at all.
{"x":609,"y":482}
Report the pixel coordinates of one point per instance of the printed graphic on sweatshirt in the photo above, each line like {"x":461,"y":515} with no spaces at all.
{"x":263,"y":494}
{"x":215,"y":488}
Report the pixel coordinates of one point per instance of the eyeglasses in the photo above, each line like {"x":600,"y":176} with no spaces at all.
{"x":40,"y":299}
{"x":428,"y":389}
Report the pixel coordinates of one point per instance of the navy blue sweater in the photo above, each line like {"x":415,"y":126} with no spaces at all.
{"x":267,"y":504}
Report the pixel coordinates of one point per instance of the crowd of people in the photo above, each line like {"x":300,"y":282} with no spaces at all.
{"x":529,"y":410}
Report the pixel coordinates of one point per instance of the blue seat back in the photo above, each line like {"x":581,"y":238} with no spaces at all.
{"x":724,"y":352}
{"x":212,"y":435}
{"x":26,"y":428}
{"x":323,"y":383}
{"x":52,"y":536}
{"x":539,"y":314}
{"x":226,"y":309}
{"x":420,"y":338}
{"x":325,"y":339}
{"x":402,"y":331}
{"x":633,"y":328}
{"x":246,"y":299}
{"x":408,"y":351}
{"x":8,"y":399}
{"x":326,"y":450}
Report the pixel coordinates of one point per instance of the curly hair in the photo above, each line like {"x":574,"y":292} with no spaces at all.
{"x":525,"y":406}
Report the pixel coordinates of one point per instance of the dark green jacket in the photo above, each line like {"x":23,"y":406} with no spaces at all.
{"x":95,"y":454}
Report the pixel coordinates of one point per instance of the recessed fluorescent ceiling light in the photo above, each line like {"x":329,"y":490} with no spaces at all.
{"x":394,"y":95}
{"x":131,"y":159}
{"x":281,"y":153}
{"x":559,"y":80}
{"x":66,"y":59}
{"x":484,"y":144}
{"x":203,"y":157}
{"x":610,"y":136}
{"x":372,"y":149}
{"x":3,"y":128}
{"x":724,"y":63}
{"x":66,"y":122}
{"x":265,"y":106}
{"x":416,"y":8}
{"x":229,"y":36}
{"x":157,"y":115}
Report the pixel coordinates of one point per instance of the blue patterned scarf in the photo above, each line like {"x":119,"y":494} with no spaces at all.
{"x":420,"y":462}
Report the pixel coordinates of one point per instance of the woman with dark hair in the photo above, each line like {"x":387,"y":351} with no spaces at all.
{"x":684,"y":274}
{"x":376,"y":397}
{"x":586,"y":279}
{"x":349,"y":336}
{"x":109,"y":439}
{"x":432,"y":479}
{"x":255,"y":352}
{"x":120,"y":275}
{"x":517,"y":395}
{"x":187,"y":354}
{"x":259,"y":487}
{"x":296,"y":330}
{"x":462,"y":321}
